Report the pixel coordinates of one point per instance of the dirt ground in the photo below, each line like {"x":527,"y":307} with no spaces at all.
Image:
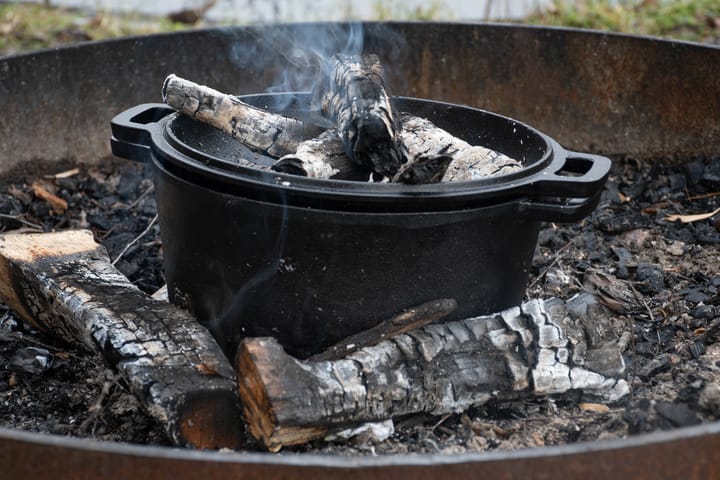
{"x":661,"y":276}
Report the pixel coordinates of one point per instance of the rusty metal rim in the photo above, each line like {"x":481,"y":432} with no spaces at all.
{"x":677,"y":438}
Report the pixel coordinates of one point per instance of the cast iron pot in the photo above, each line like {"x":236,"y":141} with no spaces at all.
{"x":257,"y":253}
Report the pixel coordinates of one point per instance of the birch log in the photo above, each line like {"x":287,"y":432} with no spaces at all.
{"x":353,"y":96}
{"x":64,"y":284}
{"x":268,"y":132}
{"x":539,"y":348}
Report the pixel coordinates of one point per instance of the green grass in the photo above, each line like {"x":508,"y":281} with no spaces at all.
{"x":25,"y":27}
{"x":696,"y":20}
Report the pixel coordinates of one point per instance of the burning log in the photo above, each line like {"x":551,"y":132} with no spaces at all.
{"x":354,"y":98}
{"x":273,"y":133}
{"x":539,"y":348}
{"x":64,"y":284}
{"x":436,"y":155}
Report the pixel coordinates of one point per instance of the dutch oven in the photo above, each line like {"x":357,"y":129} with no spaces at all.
{"x":257,"y":253}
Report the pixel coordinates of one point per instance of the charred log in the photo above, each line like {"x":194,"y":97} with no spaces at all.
{"x":322,"y":157}
{"x":436,"y":155}
{"x":64,"y":284}
{"x":539,"y":348}
{"x":268,"y":132}
{"x":353,"y":96}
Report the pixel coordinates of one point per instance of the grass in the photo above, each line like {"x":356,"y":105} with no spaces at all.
{"x":25,"y":27}
{"x":695,"y":20}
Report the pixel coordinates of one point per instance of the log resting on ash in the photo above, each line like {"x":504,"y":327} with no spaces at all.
{"x":352,"y":95}
{"x":64,"y":284}
{"x":540,"y":348}
{"x":268,"y":132}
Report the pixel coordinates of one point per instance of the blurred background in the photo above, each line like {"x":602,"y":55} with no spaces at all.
{"x":29,"y":25}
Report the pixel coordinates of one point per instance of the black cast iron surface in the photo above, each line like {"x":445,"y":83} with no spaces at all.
{"x":591,"y":91}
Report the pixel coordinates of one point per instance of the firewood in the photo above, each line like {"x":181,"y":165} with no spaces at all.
{"x":404,"y":322}
{"x":353,"y":96}
{"x":436,"y":155}
{"x":322,"y":157}
{"x":272,"y":133}
{"x":540,"y":348}
{"x":64,"y":284}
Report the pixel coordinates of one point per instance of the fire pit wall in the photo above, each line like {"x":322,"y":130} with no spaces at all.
{"x":590,"y":91}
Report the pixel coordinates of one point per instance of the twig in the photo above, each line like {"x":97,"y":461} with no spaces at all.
{"x":24,"y":222}
{"x":555,"y":260}
{"x":141,"y":197}
{"x":135,"y":240}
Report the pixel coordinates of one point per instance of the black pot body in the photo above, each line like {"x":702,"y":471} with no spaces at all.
{"x":310,"y":277}
{"x":310,"y":261}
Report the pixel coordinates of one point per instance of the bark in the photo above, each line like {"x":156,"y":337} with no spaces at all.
{"x":64,"y":284}
{"x":353,"y":96}
{"x":436,"y":155}
{"x":272,"y":133}
{"x":539,"y":348}
{"x":322,"y":157}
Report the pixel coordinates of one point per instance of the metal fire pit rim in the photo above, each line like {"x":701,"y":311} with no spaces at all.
{"x":648,"y":441}
{"x":374,"y":23}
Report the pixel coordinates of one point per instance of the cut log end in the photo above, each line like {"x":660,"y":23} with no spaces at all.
{"x":263,"y":363}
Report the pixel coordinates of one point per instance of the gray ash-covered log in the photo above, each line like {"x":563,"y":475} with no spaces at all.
{"x":259,"y":129}
{"x":353,"y":95}
{"x":322,"y":157}
{"x":541,"y":348}
{"x":435,"y":155}
{"x":64,"y":284}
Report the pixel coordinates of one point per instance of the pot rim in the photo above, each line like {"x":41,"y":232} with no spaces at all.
{"x":145,"y":133}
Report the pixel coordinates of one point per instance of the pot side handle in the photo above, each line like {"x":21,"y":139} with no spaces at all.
{"x":570,"y":193}
{"x":581,"y":175}
{"x":131,"y":130}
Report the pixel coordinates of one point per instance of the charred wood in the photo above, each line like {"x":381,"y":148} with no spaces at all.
{"x":436,"y":155}
{"x":322,"y":157}
{"x":64,"y":284}
{"x":353,"y":96}
{"x":268,"y":132}
{"x":539,"y":348}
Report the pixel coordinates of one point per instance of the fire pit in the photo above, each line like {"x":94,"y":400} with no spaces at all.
{"x":581,"y":102}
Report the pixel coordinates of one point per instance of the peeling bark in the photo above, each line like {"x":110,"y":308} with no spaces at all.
{"x":64,"y":284}
{"x":540,"y":348}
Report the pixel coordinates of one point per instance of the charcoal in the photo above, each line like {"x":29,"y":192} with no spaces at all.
{"x":676,"y":414}
{"x":711,"y":176}
{"x":650,"y":278}
{"x":30,"y":360}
